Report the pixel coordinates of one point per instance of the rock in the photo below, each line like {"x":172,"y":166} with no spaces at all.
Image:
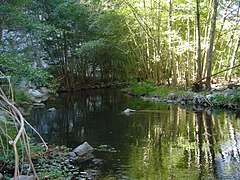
{"x":71,"y":154}
{"x":25,"y":168}
{"x":228,"y":92}
{"x":172,"y":96}
{"x":51,"y":109}
{"x":169,"y":101}
{"x":1,"y":176}
{"x":43,"y":90}
{"x":38,"y":96}
{"x":126,"y":90}
{"x":106,"y":148}
{"x":85,"y":157}
{"x":23,"y":177}
{"x":83,"y":149}
{"x":198,"y":99}
{"x":128,"y":110}
{"x":182,"y":102}
{"x":25,"y":105}
{"x":38,"y":104}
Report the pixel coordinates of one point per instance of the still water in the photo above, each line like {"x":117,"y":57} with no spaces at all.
{"x":158,"y":141}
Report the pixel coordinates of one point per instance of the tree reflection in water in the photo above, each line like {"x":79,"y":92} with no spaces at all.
{"x":156,"y":142}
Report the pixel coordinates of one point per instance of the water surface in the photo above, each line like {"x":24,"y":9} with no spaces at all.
{"x":158,"y":141}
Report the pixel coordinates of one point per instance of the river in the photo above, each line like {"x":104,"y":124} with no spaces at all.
{"x":158,"y":141}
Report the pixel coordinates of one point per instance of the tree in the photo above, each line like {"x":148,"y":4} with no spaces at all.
{"x":210,"y":50}
{"x":198,"y":54}
{"x":171,"y":58}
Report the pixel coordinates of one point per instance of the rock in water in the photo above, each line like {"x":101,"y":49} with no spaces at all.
{"x":83,"y":149}
{"x":128,"y":110}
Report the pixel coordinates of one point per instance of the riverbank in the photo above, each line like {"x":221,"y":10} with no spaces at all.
{"x":221,"y":96}
{"x":57,"y":162}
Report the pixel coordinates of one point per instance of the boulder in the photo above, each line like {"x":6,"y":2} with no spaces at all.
{"x":1,"y":176}
{"x":82,"y":149}
{"x":38,"y":95}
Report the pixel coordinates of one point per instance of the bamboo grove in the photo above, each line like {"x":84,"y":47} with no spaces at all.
{"x":181,"y":41}
{"x":174,"y":42}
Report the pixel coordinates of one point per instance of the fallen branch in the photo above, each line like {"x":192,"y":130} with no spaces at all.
{"x":196,"y":82}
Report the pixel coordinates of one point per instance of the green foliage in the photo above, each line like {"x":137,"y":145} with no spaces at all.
{"x":91,"y":48}
{"x":235,"y":98}
{"x":19,"y":67}
{"x":218,"y":100}
{"x":7,"y":132}
{"x":221,"y":99}
{"x":52,"y":172}
{"x":161,"y":91}
{"x":20,"y":96}
{"x":145,"y":87}
{"x":38,"y":76}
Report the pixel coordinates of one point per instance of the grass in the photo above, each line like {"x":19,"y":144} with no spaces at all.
{"x":147,"y":87}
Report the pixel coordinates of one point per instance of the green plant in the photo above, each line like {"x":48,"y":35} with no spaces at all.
{"x":218,"y":100}
{"x":52,"y":172}
{"x":20,"y":96}
{"x":37,"y":76}
{"x":235,"y":98}
{"x":162,"y":91}
{"x":145,"y":87}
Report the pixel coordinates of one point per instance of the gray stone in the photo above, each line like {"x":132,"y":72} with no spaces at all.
{"x":1,"y":176}
{"x":43,"y":90}
{"x":172,"y":96}
{"x":228,"y":92}
{"x":169,"y":101}
{"x":51,"y":109}
{"x":38,"y":104}
{"x":71,"y":154}
{"x":83,"y":149}
{"x":23,"y":177}
{"x":38,"y":96}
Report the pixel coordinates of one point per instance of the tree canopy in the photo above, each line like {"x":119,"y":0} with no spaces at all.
{"x":174,"y":42}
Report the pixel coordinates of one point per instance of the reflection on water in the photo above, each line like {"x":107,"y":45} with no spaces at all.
{"x":155,"y":142}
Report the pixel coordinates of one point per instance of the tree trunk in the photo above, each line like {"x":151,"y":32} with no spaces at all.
{"x":187,"y":72}
{"x":198,"y":54}
{"x":233,"y":59}
{"x":207,"y":32}
{"x":171,"y":60}
{"x":210,"y":50}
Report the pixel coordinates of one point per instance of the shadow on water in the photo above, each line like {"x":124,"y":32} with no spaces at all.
{"x":156,"y":142}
